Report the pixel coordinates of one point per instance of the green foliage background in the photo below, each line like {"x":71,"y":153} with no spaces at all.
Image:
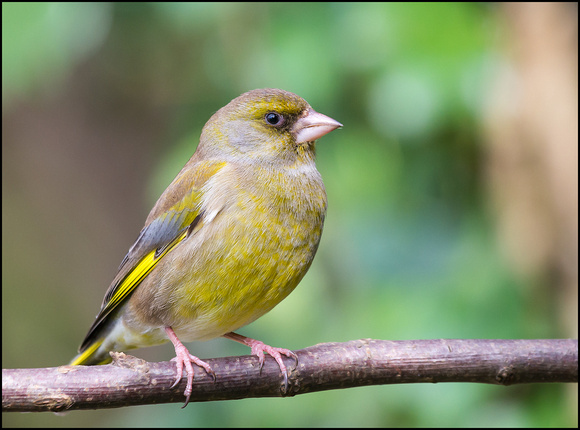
{"x":409,"y":249}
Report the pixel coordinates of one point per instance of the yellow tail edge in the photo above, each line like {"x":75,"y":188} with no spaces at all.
{"x":88,"y":357}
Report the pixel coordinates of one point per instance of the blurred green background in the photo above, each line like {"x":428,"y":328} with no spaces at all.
{"x":452,"y":186}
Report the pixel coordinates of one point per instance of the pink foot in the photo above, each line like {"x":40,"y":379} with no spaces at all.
{"x":258,"y":348}
{"x":184,"y":358}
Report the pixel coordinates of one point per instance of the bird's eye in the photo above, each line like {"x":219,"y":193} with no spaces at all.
{"x":274,"y":118}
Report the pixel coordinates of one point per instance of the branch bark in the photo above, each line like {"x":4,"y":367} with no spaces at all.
{"x":132,"y":381}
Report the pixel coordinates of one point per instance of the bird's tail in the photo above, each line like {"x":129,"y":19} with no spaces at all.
{"x":92,"y":354}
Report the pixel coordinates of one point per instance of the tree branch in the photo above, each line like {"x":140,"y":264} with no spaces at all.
{"x":132,"y":381}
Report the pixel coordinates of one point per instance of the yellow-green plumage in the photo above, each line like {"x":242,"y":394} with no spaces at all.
{"x":231,"y":236}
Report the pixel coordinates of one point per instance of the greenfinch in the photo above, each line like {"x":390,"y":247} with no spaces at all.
{"x":230,"y":238}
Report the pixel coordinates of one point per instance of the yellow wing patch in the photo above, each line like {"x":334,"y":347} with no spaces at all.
{"x":128,"y":284}
{"x":141,"y":270}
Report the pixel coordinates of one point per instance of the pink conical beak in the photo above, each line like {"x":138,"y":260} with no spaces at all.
{"x":313,"y":126}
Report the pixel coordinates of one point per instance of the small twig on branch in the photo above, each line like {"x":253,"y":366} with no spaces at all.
{"x":132,"y":381}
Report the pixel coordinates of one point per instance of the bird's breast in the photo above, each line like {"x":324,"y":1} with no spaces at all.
{"x":252,"y":253}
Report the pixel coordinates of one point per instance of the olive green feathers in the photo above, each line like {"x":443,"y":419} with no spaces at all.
{"x":229,"y":238}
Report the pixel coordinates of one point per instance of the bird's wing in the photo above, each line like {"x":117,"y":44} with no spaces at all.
{"x":176,"y":215}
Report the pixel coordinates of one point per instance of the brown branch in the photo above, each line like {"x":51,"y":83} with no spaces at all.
{"x":132,"y":381}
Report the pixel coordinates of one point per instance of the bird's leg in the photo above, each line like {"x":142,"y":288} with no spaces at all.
{"x":184,"y":358}
{"x":258,"y":348}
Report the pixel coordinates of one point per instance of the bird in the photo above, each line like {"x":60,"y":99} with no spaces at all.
{"x":231,"y":236}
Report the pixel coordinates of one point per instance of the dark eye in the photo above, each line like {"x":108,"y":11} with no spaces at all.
{"x":274,"y":118}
